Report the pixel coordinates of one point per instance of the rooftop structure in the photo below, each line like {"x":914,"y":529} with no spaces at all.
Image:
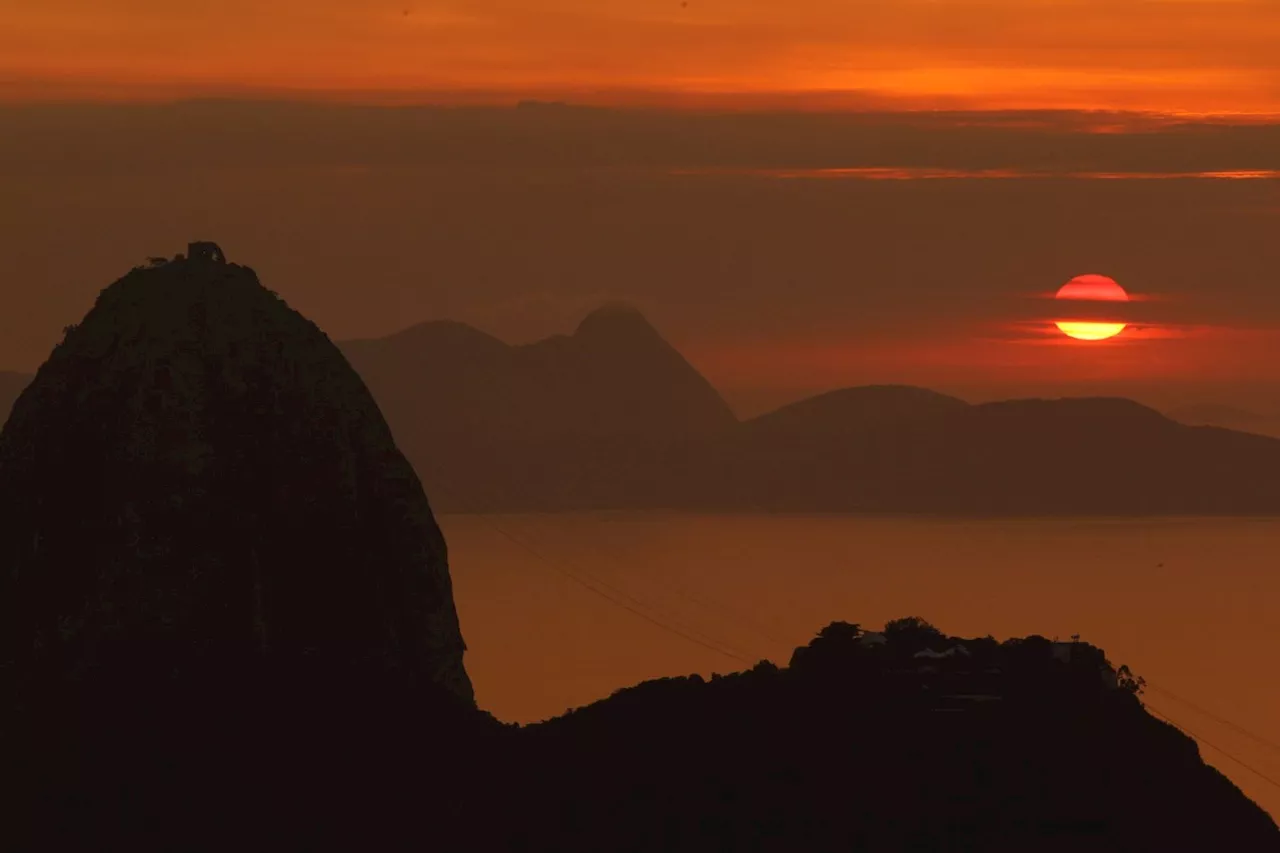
{"x":207,"y":252}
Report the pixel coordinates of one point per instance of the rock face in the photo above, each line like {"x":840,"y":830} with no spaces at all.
{"x":197,"y":479}
{"x":11,"y":385}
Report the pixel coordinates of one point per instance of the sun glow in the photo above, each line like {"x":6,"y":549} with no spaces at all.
{"x":1091,"y":289}
{"x":1086,"y":331}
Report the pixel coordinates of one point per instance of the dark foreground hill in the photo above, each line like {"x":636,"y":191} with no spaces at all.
{"x":197,"y":479}
{"x":11,"y":385}
{"x":903,"y":741}
{"x":971,"y":745}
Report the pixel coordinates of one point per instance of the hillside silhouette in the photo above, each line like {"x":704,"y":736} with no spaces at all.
{"x":197,"y":478}
{"x":11,"y":385}
{"x":612,"y":417}
{"x":899,"y":740}
{"x":228,"y":623}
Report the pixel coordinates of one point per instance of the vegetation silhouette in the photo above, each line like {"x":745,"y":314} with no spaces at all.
{"x":1020,"y":745}
{"x":228,"y":623}
{"x":1007,"y":747}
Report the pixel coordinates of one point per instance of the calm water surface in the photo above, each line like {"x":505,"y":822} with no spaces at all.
{"x":1190,"y":604}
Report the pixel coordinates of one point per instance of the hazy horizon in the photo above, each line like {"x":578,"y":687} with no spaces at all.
{"x":751,"y":385}
{"x":1248,"y":409}
{"x":784,"y":253}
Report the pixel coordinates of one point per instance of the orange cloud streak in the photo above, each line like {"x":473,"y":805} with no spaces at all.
{"x":910,"y":173}
{"x":1193,"y":56}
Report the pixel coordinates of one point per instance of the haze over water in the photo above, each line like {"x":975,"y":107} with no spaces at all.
{"x":1186,"y":603}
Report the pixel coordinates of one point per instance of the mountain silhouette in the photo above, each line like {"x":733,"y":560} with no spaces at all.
{"x":600,"y":417}
{"x":196,"y":477}
{"x":849,"y":412}
{"x":223,"y":595}
{"x":228,"y":624}
{"x":1083,"y":456}
{"x":1228,"y":417}
{"x":918,"y":741}
{"x":614,"y":375}
{"x":11,"y":385}
{"x":613,"y":417}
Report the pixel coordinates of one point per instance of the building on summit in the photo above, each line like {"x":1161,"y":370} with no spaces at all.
{"x":206,"y":252}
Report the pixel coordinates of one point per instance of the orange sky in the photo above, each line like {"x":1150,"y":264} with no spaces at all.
{"x":1166,"y":55}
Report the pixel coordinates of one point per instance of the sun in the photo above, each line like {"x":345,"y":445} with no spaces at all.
{"x":1091,"y":288}
{"x":1083,"y":330}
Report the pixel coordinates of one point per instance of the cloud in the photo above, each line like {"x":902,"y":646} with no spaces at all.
{"x":690,"y":145}
{"x":1134,"y":54}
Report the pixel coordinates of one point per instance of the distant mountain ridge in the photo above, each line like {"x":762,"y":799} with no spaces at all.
{"x":1065,"y":456}
{"x":571,"y":421}
{"x":847,"y":412}
{"x":615,"y":375}
{"x":613,"y":417}
{"x":1228,"y":417}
